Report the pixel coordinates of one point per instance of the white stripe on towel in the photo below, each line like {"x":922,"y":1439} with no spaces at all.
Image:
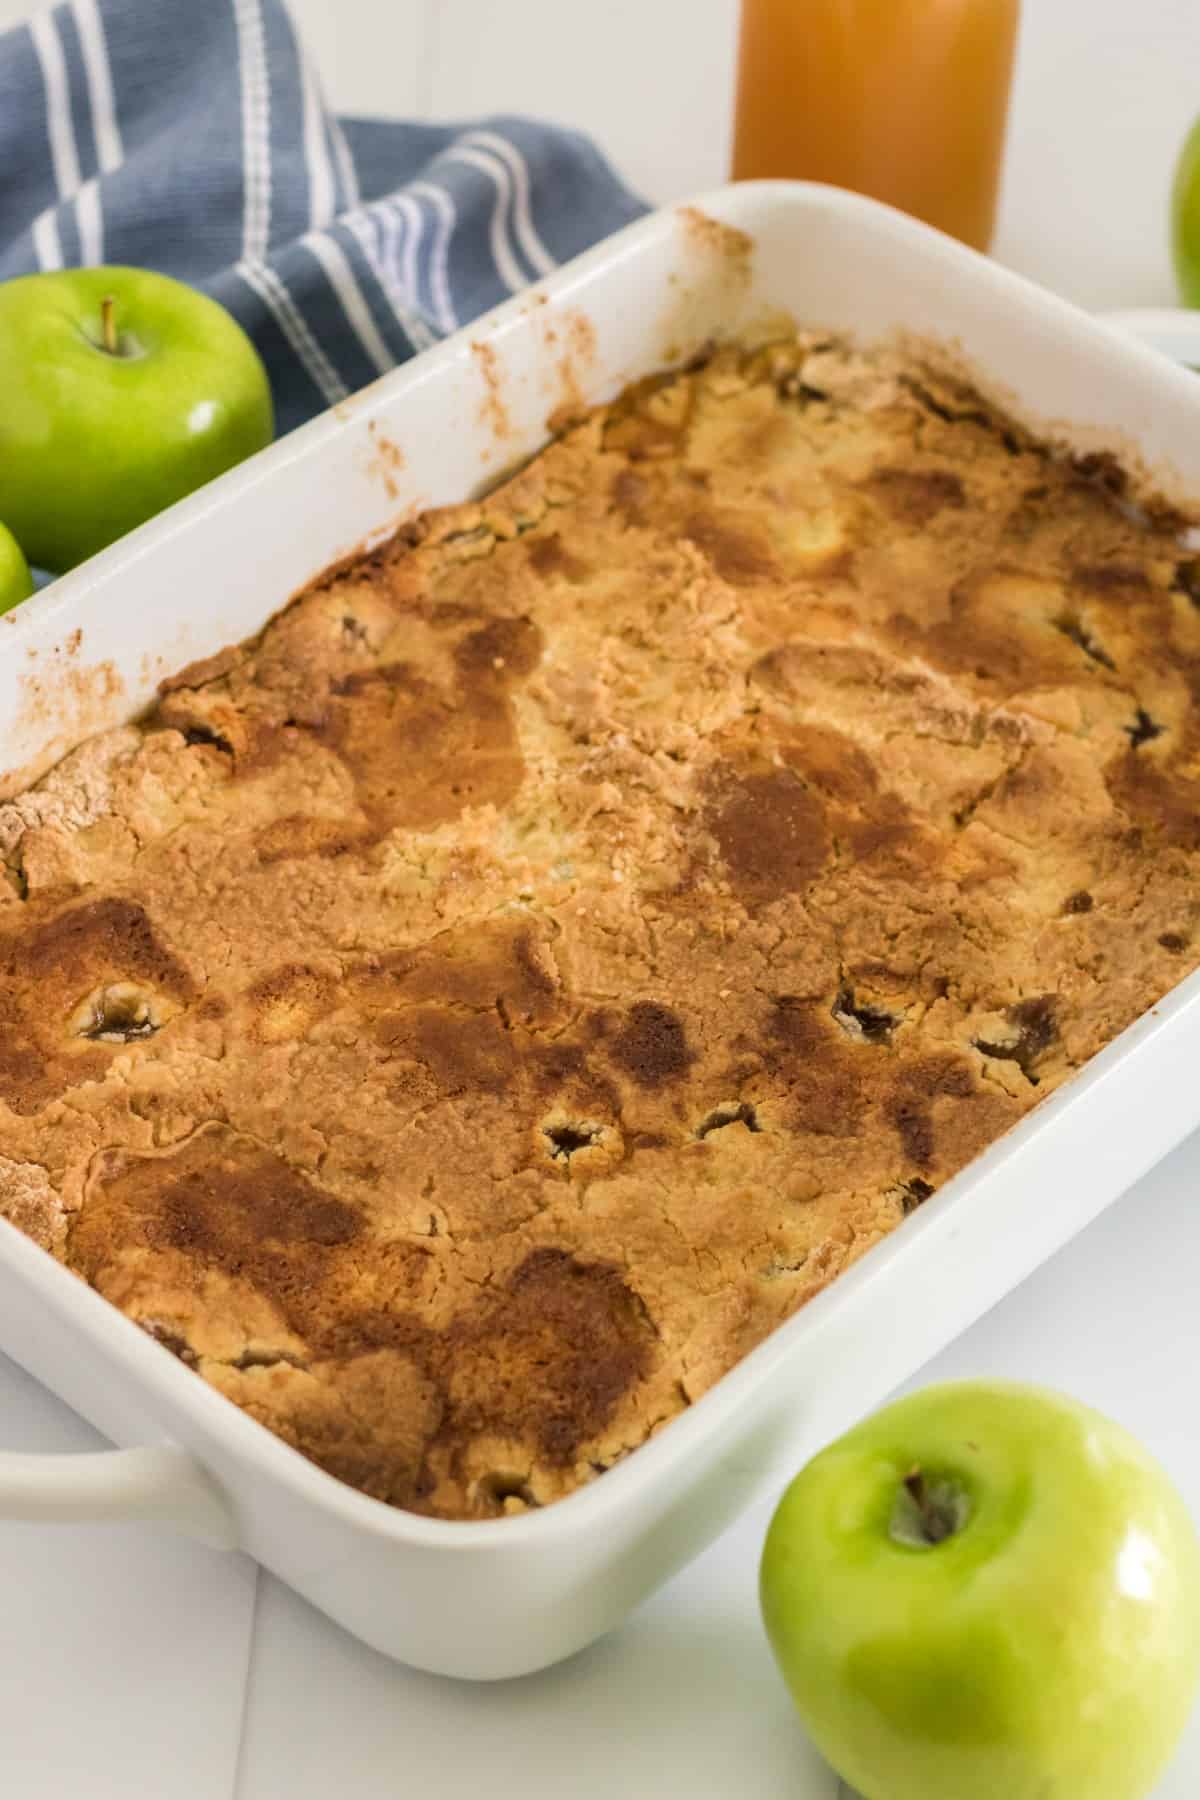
{"x":91,"y":224}
{"x":439,"y":262}
{"x":507,"y":266}
{"x":535,"y":251}
{"x":46,"y":240}
{"x":256,"y":215}
{"x":271,"y":291}
{"x":256,"y":130}
{"x":322,"y":193}
{"x":110,"y":152}
{"x":386,"y":224}
{"x":398,"y":221}
{"x":342,"y":279}
{"x":364,"y":223}
{"x":347,"y":173}
{"x":406,"y":208}
{"x":64,"y":155}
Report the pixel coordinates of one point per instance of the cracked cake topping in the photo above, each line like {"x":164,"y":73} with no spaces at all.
{"x":462,"y":1022}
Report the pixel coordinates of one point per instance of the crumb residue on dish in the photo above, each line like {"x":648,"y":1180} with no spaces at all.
{"x":493,"y":411}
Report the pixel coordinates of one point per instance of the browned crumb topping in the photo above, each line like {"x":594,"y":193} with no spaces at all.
{"x":461,"y":1023}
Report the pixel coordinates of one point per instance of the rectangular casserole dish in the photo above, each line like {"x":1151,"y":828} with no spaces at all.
{"x":502,"y":1598}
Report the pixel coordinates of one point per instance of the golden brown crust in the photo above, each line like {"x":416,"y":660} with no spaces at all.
{"x":464,"y":1021}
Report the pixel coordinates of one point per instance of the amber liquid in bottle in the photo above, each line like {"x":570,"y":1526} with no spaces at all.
{"x":905,"y":100}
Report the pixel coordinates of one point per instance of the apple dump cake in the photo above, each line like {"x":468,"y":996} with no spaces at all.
{"x":462,"y":1022}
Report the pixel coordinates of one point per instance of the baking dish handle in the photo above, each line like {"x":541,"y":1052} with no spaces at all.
{"x":160,"y":1483}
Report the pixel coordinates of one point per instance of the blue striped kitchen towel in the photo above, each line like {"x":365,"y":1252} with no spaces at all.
{"x":191,"y":136}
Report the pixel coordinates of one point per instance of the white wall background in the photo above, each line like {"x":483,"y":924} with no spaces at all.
{"x":1105,"y":91}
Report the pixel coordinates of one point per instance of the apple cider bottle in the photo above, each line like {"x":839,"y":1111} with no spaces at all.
{"x":905,"y":100}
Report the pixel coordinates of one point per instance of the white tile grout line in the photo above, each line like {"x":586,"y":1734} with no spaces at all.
{"x":247,"y":1683}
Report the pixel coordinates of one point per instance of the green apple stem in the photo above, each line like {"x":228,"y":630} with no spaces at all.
{"x":937,"y":1519}
{"x":108,"y":325}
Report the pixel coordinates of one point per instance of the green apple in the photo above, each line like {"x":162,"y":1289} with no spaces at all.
{"x":1185,"y":218}
{"x":986,"y":1592}
{"x":122,"y":391}
{"x":16,"y":583}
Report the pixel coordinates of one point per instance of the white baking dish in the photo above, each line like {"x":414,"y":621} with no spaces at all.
{"x":503,"y":1597}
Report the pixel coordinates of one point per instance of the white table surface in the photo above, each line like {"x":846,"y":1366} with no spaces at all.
{"x":132,"y":1664}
